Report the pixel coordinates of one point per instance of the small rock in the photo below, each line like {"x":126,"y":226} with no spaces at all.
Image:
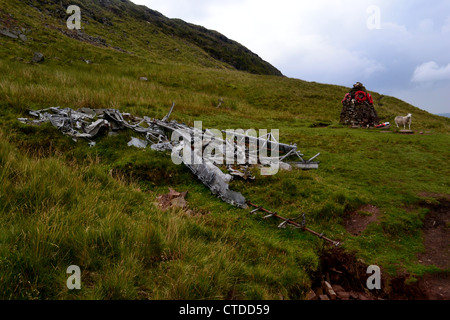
{"x":329,"y":290}
{"x":337,"y":288}
{"x":220,"y":103}
{"x":87,"y":61}
{"x":38,"y":57}
{"x":342,"y":295}
{"x":23,"y":37}
{"x":363,"y":297}
{"x":311,"y":296}
{"x":7,"y":33}
{"x":143,"y":79}
{"x":324,"y":297}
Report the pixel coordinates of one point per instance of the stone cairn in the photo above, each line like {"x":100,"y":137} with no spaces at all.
{"x":358,"y":110}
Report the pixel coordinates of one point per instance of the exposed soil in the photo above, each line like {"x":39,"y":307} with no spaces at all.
{"x":177,"y":200}
{"x":172,"y":199}
{"x":358,"y":220}
{"x":347,"y":276}
{"x":438,"y":196}
{"x":429,"y":287}
{"x":436,"y":235}
{"x":436,"y":286}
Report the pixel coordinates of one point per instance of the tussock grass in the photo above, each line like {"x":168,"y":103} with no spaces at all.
{"x":63,"y":203}
{"x":55,"y":214}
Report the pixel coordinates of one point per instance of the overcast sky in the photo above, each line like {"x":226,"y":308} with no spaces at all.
{"x":396,"y":47}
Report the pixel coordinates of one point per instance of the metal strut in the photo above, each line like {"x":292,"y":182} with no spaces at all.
{"x":256,"y":210}
{"x":292,"y":222}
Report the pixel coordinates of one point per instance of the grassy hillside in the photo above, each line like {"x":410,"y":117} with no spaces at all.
{"x":124,"y":27}
{"x":64,"y":203}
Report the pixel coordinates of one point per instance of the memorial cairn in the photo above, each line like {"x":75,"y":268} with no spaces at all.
{"x":358,"y":110}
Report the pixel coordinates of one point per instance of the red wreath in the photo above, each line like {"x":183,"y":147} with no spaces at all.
{"x":347,"y":98}
{"x":360,"y":96}
{"x":369,"y":98}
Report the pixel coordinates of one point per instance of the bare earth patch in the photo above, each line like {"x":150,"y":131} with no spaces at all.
{"x":177,"y":200}
{"x":347,"y":277}
{"x":436,"y":233}
{"x":172,"y":199}
{"x":436,"y":286}
{"x":437,"y":247}
{"x":358,"y":220}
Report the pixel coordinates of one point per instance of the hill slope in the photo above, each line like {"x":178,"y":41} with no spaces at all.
{"x":64,"y":203}
{"x":126,"y":27}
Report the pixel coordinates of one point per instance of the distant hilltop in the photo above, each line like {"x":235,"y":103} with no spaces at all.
{"x":125,"y":27}
{"x":447,"y":115}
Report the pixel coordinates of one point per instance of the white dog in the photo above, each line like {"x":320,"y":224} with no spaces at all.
{"x":403,"y":121}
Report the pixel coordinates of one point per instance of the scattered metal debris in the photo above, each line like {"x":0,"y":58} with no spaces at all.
{"x":87,"y":123}
{"x":242,"y":172}
{"x":138,"y":143}
{"x":291,"y":222}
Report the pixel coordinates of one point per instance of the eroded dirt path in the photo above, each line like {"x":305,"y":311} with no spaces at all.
{"x":436,"y":233}
{"x":360,"y":219}
{"x":347,"y":275}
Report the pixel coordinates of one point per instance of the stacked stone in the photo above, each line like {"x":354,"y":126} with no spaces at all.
{"x":358,"y":109}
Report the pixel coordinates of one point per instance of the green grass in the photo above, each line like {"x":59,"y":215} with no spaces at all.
{"x":63,"y":203}
{"x":55,"y":214}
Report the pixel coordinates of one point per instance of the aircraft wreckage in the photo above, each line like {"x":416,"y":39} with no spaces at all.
{"x":164,"y":135}
{"x":202,"y":151}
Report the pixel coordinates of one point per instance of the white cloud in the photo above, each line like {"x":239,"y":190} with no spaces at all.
{"x":314,"y":57}
{"x":446,"y":27}
{"x":431,"y":71}
{"x":426,"y":26}
{"x":323,"y":41}
{"x":328,"y":40}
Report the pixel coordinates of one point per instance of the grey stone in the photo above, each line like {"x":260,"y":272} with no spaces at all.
{"x":7,"y":33}
{"x":87,"y":61}
{"x":362,"y":115}
{"x":38,"y":57}
{"x":23,"y":37}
